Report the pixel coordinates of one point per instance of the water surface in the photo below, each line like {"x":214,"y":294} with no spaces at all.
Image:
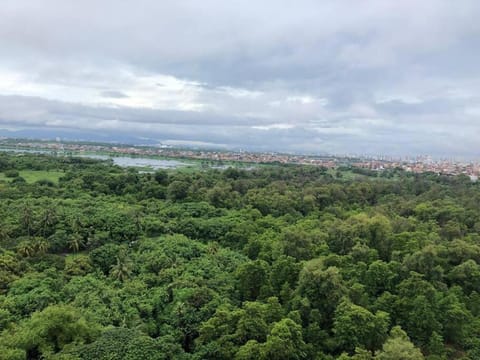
{"x":123,"y":161}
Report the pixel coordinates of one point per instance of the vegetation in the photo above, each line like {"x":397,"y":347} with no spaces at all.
{"x":32,"y":176}
{"x":284,"y":262}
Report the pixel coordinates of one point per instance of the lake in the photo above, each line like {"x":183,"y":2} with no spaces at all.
{"x":126,"y":161}
{"x":123,"y":161}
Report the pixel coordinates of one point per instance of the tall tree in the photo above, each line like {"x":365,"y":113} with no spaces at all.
{"x":399,"y":347}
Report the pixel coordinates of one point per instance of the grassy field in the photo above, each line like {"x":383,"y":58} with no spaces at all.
{"x":32,"y":176}
{"x":346,"y":174}
{"x":349,"y":175}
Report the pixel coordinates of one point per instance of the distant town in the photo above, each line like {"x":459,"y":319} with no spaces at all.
{"x":419,"y":164}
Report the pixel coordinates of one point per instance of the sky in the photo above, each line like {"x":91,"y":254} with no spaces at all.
{"x":338,"y":77}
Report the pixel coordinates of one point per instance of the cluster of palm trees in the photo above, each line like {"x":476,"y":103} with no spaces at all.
{"x":47,"y":221}
{"x":33,"y":246}
{"x":38,"y":244}
{"x":121,"y":270}
{"x":37,"y":232}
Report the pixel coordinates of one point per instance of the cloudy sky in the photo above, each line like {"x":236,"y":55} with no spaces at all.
{"x":339,"y":76}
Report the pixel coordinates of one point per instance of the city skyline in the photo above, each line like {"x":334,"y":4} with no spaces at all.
{"x":416,"y":164}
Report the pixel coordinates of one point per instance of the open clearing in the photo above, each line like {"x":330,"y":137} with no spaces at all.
{"x":32,"y":176}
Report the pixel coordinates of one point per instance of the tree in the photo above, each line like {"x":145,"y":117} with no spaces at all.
{"x":9,"y":270}
{"x":454,"y":317}
{"x":252,"y":324}
{"x":379,"y":277}
{"x":161,"y":176}
{"x":252,"y":276}
{"x":48,"y":220}
{"x":285,"y":342}
{"x":77,"y":265}
{"x":399,"y":347}
{"x":355,"y":326}
{"x":324,"y":288}
{"x":436,"y":345}
{"x":47,"y":332}
{"x":216,"y":334}
{"x":417,"y":307}
{"x":297,"y":244}
{"x":252,"y":350}
{"x":128,"y":344}
{"x":380,"y":233}
{"x":4,"y":233}
{"x":75,"y":242}
{"x":177,"y":190}
{"x":26,"y":248}
{"x":27,"y":219}
{"x":466,"y":275}
{"x":11,"y":173}
{"x":41,"y":245}
{"x":122,"y":270}
{"x":285,"y":270}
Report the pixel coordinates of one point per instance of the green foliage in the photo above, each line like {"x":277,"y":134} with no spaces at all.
{"x":285,"y":342}
{"x":287,"y":262}
{"x":399,"y":347}
{"x":49,"y":332}
{"x":11,"y":173}
{"x":355,"y":327}
{"x":128,"y":344}
{"x":323,"y":287}
{"x":252,"y":277}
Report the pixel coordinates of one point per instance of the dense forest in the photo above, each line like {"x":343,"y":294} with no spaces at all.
{"x":277,"y":262}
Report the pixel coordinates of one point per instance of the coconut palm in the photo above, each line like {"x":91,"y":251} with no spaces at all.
{"x":76,"y":224}
{"x":49,"y":218}
{"x":4,"y":233}
{"x":75,"y":243}
{"x":26,"y":249}
{"x":212,"y":248}
{"x":41,"y":245}
{"x":27,"y":219}
{"x":122,"y":270}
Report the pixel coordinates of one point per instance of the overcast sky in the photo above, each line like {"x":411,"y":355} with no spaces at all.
{"x":340,"y":76}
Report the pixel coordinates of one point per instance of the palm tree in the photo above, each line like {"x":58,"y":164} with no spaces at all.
{"x":138,"y":220}
{"x":92,"y":238}
{"x":41,"y":245}
{"x":212,"y":248}
{"x":76,"y":224}
{"x":75,"y":242}
{"x":122,"y":270}
{"x":49,"y":218}
{"x":4,"y":233}
{"x":27,"y":219}
{"x":26,"y":249}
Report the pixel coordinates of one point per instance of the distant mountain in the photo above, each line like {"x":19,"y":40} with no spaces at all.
{"x":76,"y":135}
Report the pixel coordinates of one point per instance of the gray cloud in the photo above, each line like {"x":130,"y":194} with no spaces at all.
{"x":115,"y":94}
{"x":326,"y":76}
